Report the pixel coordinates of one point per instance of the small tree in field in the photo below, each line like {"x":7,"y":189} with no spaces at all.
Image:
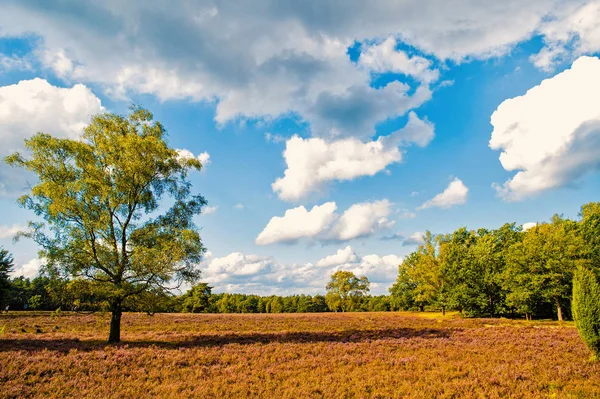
{"x":586,"y":308}
{"x":344,"y":289}
{"x":100,"y":198}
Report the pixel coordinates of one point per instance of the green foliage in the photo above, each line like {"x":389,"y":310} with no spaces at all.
{"x":100,"y":198}
{"x":589,"y":229}
{"x":6,"y":266}
{"x":586,"y":308}
{"x":344,"y":290}
{"x":540,"y":267}
{"x":196,"y":300}
{"x":35,"y":302}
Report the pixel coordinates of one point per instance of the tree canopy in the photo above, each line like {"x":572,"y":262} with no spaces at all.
{"x":344,"y":289}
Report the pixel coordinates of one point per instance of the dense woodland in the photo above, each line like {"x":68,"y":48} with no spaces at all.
{"x":481,"y":273}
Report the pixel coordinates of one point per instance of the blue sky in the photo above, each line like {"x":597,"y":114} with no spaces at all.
{"x":335,"y":134}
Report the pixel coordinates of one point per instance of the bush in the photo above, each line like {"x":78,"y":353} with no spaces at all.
{"x":586,"y":308}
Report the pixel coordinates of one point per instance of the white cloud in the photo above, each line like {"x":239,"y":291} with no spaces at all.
{"x":264,"y":59}
{"x":346,"y":255}
{"x":529,"y":225}
{"x":13,"y":62}
{"x":322,"y":223}
{"x":184,"y":154}
{"x":384,"y":57}
{"x":239,"y":206}
{"x":550,"y":135}
{"x":314,"y":162}
{"x":414,"y":239}
{"x":406,"y":214}
{"x":29,"y":269}
{"x":209,"y":210}
{"x":274,"y":138}
{"x":204,"y":158}
{"x":572,"y":30}
{"x":361,"y":220}
{"x":32,"y":106}
{"x":264,"y":275}
{"x":298,"y":223}
{"x":10,"y":231}
{"x":455,"y":194}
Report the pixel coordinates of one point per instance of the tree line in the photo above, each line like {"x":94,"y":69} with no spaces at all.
{"x":501,"y":272}
{"x":50,"y":293}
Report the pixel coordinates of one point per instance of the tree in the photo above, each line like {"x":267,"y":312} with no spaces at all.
{"x":196,"y":300}
{"x":402,"y":292}
{"x":589,"y":230}
{"x":432,"y":286}
{"x":6,"y":267}
{"x":540,"y":268}
{"x":344,"y":289}
{"x":586,"y":308}
{"x":101,"y":197}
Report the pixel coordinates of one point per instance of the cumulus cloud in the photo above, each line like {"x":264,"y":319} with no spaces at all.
{"x":455,"y":194}
{"x":265,"y":59}
{"x":314,"y":162}
{"x":32,"y":106}
{"x":362,"y":220}
{"x":571,"y":31}
{"x":210,"y":210}
{"x":322,"y":223}
{"x":13,"y":62}
{"x":29,"y":269}
{"x":10,"y":231}
{"x":551,"y":134}
{"x":384,"y":57}
{"x":414,"y":239}
{"x":184,"y":154}
{"x":264,"y":275}
{"x":298,"y":223}
{"x":342,"y":256}
{"x":529,"y":225}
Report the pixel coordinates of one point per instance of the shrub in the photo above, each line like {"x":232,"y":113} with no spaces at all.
{"x":586,"y":308}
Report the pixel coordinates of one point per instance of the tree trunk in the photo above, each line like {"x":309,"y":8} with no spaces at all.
{"x":443,"y":311}
{"x":492,"y":310}
{"x":559,"y":309}
{"x":115,"y":322}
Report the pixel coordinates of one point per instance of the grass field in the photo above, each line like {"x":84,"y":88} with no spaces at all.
{"x":354,"y":355}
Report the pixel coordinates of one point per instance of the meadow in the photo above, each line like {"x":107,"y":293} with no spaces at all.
{"x":323,"y":355}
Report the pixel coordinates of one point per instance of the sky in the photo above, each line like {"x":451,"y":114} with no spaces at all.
{"x":333,"y":134}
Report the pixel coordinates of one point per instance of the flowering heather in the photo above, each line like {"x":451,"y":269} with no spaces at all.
{"x":351,"y":355}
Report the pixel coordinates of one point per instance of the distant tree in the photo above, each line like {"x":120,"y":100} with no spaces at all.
{"x":196,"y":300}
{"x":586,"y":308}
{"x":540,"y":268}
{"x":474,"y":263}
{"x":344,"y":289}
{"x":6,"y":267}
{"x":432,"y":285}
{"x":101,"y":198}
{"x":403,"y":291}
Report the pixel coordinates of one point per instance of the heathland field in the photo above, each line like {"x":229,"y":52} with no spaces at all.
{"x":335,"y":355}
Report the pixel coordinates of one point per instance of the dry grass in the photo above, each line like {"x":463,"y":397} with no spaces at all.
{"x":357,"y":355}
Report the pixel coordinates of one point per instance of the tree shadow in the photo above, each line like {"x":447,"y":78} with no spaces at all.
{"x":213,"y":340}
